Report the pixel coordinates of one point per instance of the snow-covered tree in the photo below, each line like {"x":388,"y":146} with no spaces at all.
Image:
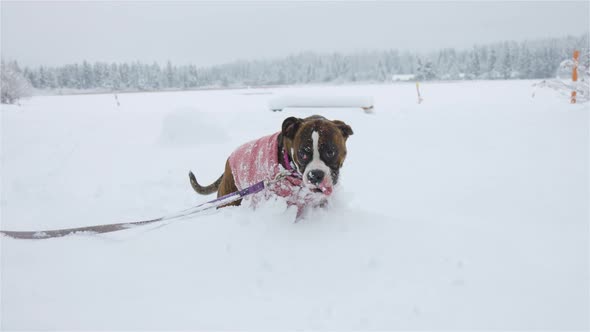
{"x":492,"y":72}
{"x":563,"y":82}
{"x":87,"y":79}
{"x":425,"y":70}
{"x":525,"y":64}
{"x":506,"y":68}
{"x":13,"y":84}
{"x":474,"y":69}
{"x":169,"y":73}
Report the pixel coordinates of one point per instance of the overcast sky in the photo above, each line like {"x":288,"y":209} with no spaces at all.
{"x":205,"y":33}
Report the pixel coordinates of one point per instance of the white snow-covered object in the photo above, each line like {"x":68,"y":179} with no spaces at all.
{"x":403,"y":77}
{"x":563,"y":83}
{"x":279,"y":103}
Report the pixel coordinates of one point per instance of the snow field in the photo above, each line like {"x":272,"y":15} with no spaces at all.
{"x":468,"y":211}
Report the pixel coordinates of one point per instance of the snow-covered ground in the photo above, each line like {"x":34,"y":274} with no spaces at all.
{"x":468,"y":211}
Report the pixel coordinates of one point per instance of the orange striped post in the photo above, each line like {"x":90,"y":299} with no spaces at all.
{"x":575,"y":74}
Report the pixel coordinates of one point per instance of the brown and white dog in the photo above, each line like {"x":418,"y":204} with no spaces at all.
{"x":315,"y":147}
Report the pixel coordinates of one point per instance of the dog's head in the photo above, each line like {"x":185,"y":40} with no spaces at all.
{"x":317,"y":146}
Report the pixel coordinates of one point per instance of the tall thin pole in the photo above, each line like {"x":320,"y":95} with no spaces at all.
{"x":418,"y":91}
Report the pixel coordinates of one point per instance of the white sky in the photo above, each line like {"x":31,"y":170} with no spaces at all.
{"x":205,"y":33}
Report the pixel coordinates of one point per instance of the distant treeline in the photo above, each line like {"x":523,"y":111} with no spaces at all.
{"x":505,"y":60}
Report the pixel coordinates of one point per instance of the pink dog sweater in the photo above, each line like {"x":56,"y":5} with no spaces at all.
{"x":257,"y":161}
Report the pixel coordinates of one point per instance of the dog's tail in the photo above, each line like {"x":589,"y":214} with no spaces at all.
{"x":204,"y":190}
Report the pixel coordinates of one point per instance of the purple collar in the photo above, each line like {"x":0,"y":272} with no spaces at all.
{"x":286,"y":160}
{"x":288,"y":167}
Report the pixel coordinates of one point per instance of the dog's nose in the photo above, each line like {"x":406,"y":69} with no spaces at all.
{"x":316,"y":176}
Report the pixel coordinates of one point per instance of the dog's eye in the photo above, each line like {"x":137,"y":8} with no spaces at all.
{"x":330,"y":153}
{"x":304,"y":153}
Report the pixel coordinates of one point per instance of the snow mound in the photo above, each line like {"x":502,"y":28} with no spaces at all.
{"x":190,"y":127}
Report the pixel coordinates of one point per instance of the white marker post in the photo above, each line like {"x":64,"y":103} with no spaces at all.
{"x":418,"y":91}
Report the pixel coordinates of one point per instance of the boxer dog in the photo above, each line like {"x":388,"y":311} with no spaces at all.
{"x":314,"y":149}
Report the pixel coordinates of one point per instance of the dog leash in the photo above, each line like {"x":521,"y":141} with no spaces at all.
{"x":108,"y":228}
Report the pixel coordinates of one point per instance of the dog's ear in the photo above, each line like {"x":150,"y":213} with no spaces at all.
{"x":344,"y":128}
{"x":290,"y":126}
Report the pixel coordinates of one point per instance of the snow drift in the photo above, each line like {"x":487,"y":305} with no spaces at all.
{"x":186,"y":127}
